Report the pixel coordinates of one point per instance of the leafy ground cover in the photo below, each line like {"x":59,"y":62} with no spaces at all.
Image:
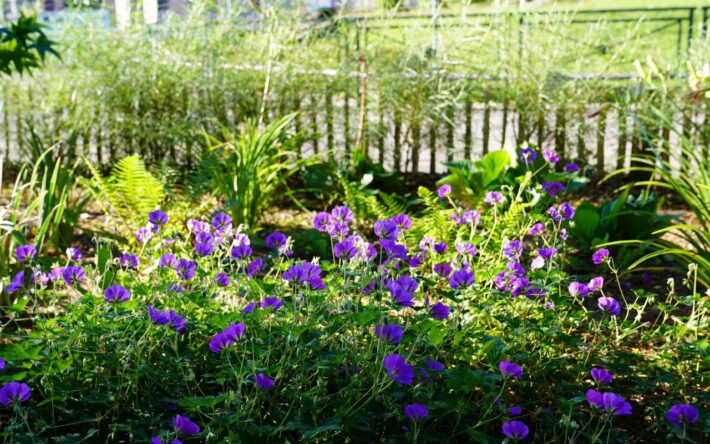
{"x":469,"y":319}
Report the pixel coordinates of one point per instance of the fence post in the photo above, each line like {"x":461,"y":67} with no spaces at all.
{"x":486,"y":121}
{"x":601,"y":139}
{"x":691,"y":24}
{"x":123,"y":13}
{"x":361,"y":140}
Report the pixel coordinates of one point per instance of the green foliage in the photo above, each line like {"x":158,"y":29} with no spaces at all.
{"x":684,"y":172}
{"x":41,"y":207}
{"x":250,"y":169}
{"x":90,"y":359}
{"x":24,"y":45}
{"x":362,"y":185}
{"x":470,"y":180}
{"x":128,"y":193}
{"x":626,"y":217}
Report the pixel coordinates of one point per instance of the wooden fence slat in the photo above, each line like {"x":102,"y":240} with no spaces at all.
{"x":468,"y":107}
{"x":416,"y":145}
{"x":601,"y":137}
{"x":397,"y":154}
{"x":329,"y":122}
{"x":623,"y":138}
{"x":432,"y":148}
{"x":487,"y":126}
{"x":450,"y":134}
{"x":561,"y":131}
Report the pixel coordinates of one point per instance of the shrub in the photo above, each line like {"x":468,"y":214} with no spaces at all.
{"x":459,"y":325}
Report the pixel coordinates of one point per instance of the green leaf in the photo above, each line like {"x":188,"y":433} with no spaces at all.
{"x":492,"y":166}
{"x":586,"y":221}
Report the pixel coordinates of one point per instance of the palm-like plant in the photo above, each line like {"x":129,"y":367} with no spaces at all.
{"x":249,"y":168}
{"x":687,"y":174}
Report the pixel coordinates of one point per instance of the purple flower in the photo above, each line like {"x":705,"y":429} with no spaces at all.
{"x":168,"y":260}
{"x":241,"y":251}
{"x":510,"y":370}
{"x":553,"y":188}
{"x":17,"y":282}
{"x":241,"y":239}
{"x":596,"y":283}
{"x":614,"y":404}
{"x":391,"y":333}
{"x":305,"y":274}
{"x":516,"y":410}
{"x":466,"y":248}
{"x":493,"y":198}
{"x":367,"y":251}
{"x":14,"y":392}
{"x":442,"y":269}
{"x":185,"y":269}
{"x":222,"y":221}
{"x":321,"y":222}
{"x":344,"y":250}
{"x":536,"y":229}
{"x":571,"y":167}
{"x":74,"y":254}
{"x":609,"y":305}
{"x":386,"y":229}
{"x":249,"y":308}
{"x":198,"y":226}
{"x":167,"y":317}
{"x":608,"y":402}
{"x":440,"y":247}
{"x":128,"y":260}
{"x":40,"y":278}
{"x":578,"y":289}
{"x":184,"y":426}
{"x":177,"y":288}
{"x":227,"y":337}
{"x":342,"y":214}
{"x":272,"y":302}
{"x":601,"y":375}
{"x":682,"y":413}
{"x":415,"y":412}
{"x":25,"y":252}
{"x":73,"y":275}
{"x":563,"y":213}
{"x":434,"y":366}
{"x":254,"y":267}
{"x":550,"y":156}
{"x":221,"y":279}
{"x":471,"y":217}
{"x":461,"y":279}
{"x":537,"y":263}
{"x":56,"y":273}
{"x":398,"y":369}
{"x":157,"y":218}
{"x":594,"y":398}
{"x":2,"y":364}
{"x":513,"y":249}
{"x":443,"y":190}
{"x":205,"y":249}
{"x":116,"y":293}
{"x":402,"y":290}
{"x":440,"y":311}
{"x":277,"y":240}
{"x":600,"y":256}
{"x":263,"y":381}
{"x":144,"y":235}
{"x":528,"y":155}
{"x":402,"y":221}
{"x":515,"y":430}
